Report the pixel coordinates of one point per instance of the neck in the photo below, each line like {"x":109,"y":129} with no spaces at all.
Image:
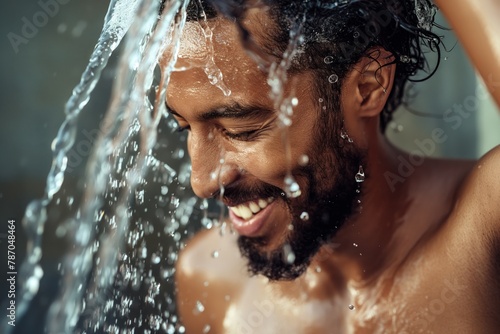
{"x":379,"y":236}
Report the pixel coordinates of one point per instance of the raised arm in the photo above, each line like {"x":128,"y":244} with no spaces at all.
{"x":477,"y":24}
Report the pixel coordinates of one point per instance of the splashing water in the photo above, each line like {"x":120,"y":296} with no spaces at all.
{"x":360,"y":175}
{"x":109,"y":244}
{"x":288,"y":254}
{"x":284,"y":104}
{"x":114,"y":29}
{"x":129,"y":224}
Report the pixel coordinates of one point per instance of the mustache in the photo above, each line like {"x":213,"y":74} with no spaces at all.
{"x":237,"y":194}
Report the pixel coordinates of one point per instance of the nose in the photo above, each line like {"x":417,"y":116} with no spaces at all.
{"x":210,"y":167}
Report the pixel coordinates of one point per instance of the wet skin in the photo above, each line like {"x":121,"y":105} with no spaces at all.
{"x":420,"y":257}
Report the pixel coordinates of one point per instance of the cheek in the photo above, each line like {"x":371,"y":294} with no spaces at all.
{"x":266,"y":163}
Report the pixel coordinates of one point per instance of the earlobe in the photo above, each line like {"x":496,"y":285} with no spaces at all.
{"x":375,"y":79}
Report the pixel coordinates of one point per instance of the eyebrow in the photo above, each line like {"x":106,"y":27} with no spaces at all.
{"x":233,"y":111}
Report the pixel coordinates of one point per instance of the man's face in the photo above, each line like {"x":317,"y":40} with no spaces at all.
{"x":242,"y":155}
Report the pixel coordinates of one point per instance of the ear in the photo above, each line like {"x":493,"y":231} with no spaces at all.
{"x":371,"y":80}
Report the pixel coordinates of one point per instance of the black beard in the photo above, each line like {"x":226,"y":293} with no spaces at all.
{"x":328,"y":211}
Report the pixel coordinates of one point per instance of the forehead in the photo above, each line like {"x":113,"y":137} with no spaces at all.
{"x":202,"y":56}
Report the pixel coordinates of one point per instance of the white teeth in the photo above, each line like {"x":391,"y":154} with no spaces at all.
{"x":246,"y":211}
{"x":254,"y":207}
{"x":236,"y":210}
{"x":262,"y":203}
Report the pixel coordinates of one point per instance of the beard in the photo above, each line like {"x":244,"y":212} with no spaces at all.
{"x":330,"y":199}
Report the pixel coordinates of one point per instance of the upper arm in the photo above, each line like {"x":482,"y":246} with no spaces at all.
{"x":476,"y":24}
{"x":478,"y":204}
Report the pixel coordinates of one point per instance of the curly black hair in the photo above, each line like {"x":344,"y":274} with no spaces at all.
{"x":336,"y":34}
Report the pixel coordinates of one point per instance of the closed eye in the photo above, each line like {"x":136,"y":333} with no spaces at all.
{"x":242,"y":136}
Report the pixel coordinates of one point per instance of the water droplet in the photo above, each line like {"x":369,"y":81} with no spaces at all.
{"x":304,"y":216}
{"x":164,"y":190}
{"x":178,"y":154}
{"x":445,"y":58}
{"x":351,"y":307}
{"x":356,"y":34}
{"x":292,"y":188}
{"x":355,"y":244}
{"x":333,"y":78}
{"x":303,"y":160}
{"x":404,"y":59}
{"x":288,"y":254}
{"x":199,"y":307}
{"x":290,"y":227}
{"x":139,"y":196}
{"x":206,"y":329}
{"x":320,"y":100}
{"x":360,"y":176}
{"x":215,"y":254}
{"x":318,"y":269}
{"x":32,"y":285}
{"x":345,"y":136}
{"x":295,"y":101}
{"x":328,"y":59}
{"x":155,"y":259}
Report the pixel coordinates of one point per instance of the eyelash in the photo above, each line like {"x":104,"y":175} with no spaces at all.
{"x":242,"y":136}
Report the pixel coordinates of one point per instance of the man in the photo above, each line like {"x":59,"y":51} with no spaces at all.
{"x":325,"y":242}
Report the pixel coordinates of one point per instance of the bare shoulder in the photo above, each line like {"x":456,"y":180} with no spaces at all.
{"x":472,"y":231}
{"x":209,"y":275}
{"x":479,"y":197}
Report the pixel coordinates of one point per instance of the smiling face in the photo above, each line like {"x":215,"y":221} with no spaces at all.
{"x":238,"y":151}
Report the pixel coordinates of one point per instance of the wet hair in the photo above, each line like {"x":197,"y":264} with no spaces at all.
{"x":337,"y":34}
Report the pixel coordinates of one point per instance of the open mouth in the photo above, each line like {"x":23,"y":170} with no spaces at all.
{"x":248,"y":210}
{"x":248,"y":217}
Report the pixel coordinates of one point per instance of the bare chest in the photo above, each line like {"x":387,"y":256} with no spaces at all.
{"x":434,"y":303}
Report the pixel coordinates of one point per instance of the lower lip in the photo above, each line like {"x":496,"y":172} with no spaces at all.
{"x":251,"y":227}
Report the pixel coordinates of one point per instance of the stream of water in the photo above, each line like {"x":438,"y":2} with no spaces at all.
{"x":117,"y":275}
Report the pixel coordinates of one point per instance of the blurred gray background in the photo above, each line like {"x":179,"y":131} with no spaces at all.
{"x":38,"y":73}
